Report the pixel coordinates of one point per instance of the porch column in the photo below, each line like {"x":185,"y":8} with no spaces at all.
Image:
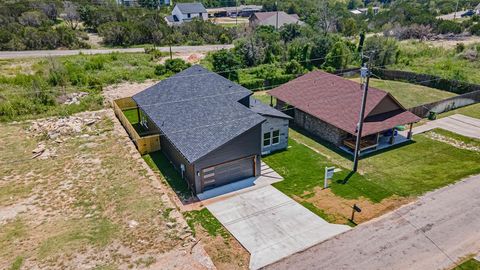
{"x":378,"y":139}
{"x":410,"y":133}
{"x":271,"y":101}
{"x":392,"y":138}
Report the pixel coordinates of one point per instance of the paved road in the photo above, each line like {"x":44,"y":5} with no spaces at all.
{"x":46,"y":53}
{"x":458,"y":123}
{"x":441,"y":227}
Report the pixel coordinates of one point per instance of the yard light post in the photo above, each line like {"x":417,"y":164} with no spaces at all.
{"x":365,"y":75}
{"x":276,"y":21}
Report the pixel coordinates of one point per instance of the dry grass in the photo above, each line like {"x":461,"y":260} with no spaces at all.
{"x":92,"y":203}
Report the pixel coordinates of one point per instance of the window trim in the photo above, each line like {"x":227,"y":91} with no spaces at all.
{"x":269,"y":139}
{"x":278,"y":137}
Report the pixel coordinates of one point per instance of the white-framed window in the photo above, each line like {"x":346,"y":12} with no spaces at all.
{"x":271,"y":138}
{"x":275,"y":137}
{"x":267,"y":139}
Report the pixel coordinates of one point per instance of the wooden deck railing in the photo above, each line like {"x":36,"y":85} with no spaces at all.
{"x":144,"y":144}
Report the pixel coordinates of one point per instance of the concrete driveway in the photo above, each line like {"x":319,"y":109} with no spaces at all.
{"x":435,"y":232}
{"x":458,"y":123}
{"x":272,"y":226}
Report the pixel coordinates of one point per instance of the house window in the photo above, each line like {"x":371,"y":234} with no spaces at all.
{"x":266,"y":139}
{"x":188,"y":15}
{"x":275,"y":136}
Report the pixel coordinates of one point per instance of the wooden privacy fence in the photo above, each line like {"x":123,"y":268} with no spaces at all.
{"x":144,"y":144}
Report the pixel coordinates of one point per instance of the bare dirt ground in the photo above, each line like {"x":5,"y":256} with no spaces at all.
{"x":75,"y":194}
{"x":339,"y":210}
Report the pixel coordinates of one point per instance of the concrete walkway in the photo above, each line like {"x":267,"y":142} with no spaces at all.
{"x":272,"y":226}
{"x":433,"y":233}
{"x":47,"y":53}
{"x":458,"y":123}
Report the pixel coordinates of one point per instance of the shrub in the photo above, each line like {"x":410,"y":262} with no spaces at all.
{"x":253,"y":84}
{"x":176,"y":65}
{"x":160,"y":70}
{"x":475,"y":29}
{"x":460,"y":47}
{"x":448,"y":27}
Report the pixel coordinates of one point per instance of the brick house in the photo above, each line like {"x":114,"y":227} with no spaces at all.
{"x":328,"y":106}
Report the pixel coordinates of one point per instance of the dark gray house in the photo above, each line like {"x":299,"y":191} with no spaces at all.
{"x":208,"y":130}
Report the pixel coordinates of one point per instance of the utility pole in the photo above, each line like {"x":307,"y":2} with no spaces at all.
{"x":276,"y":23}
{"x":456,"y":9}
{"x":236,"y":13}
{"x":365,"y":75}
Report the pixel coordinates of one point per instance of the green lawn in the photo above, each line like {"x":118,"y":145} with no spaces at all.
{"x":159,"y":163}
{"x":132,"y":117}
{"x":455,"y":136}
{"x":303,"y":170}
{"x":424,"y":165}
{"x":408,"y":170}
{"x":262,"y":96}
{"x":409,"y":95}
{"x":470,"y":264}
{"x":471,"y":110}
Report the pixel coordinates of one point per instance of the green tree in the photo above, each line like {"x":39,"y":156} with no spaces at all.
{"x":349,"y":27}
{"x":226,"y":63}
{"x":338,"y":57}
{"x":381,"y":50}
{"x":289,"y":32}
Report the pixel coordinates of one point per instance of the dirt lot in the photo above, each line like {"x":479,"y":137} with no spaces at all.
{"x":75,"y":194}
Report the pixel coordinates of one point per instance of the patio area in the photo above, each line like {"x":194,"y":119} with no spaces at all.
{"x":381,"y":142}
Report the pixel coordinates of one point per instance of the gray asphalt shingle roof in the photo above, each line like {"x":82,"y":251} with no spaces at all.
{"x":263,"y":109}
{"x":198,"y":110}
{"x":191,"y":8}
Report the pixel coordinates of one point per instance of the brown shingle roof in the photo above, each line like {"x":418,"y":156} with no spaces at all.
{"x":337,"y":101}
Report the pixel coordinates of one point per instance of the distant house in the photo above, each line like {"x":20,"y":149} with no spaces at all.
{"x":477,"y":9}
{"x":211,"y":129}
{"x":275,"y":19}
{"x":186,"y":12}
{"x":328,"y":106}
{"x":359,"y":11}
{"x":132,"y":3}
{"x":240,"y":11}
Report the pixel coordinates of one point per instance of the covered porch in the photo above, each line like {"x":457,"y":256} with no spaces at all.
{"x":378,"y":141}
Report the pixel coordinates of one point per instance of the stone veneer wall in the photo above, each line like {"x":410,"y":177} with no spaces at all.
{"x":319,"y":128}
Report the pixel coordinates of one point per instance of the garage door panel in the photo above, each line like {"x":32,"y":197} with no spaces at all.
{"x":228,"y":172}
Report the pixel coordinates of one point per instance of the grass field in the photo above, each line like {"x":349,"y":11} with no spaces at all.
{"x":471,"y":110}
{"x":386,"y":179}
{"x":422,"y":58}
{"x":262,"y":96}
{"x":470,"y":264}
{"x":32,"y":88}
{"x":82,"y":204}
{"x":409,"y":95}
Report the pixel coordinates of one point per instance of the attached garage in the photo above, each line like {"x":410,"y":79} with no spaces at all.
{"x":228,"y":172}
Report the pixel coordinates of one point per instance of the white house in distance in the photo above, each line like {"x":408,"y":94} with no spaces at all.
{"x":134,"y":3}
{"x":185,"y":12}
